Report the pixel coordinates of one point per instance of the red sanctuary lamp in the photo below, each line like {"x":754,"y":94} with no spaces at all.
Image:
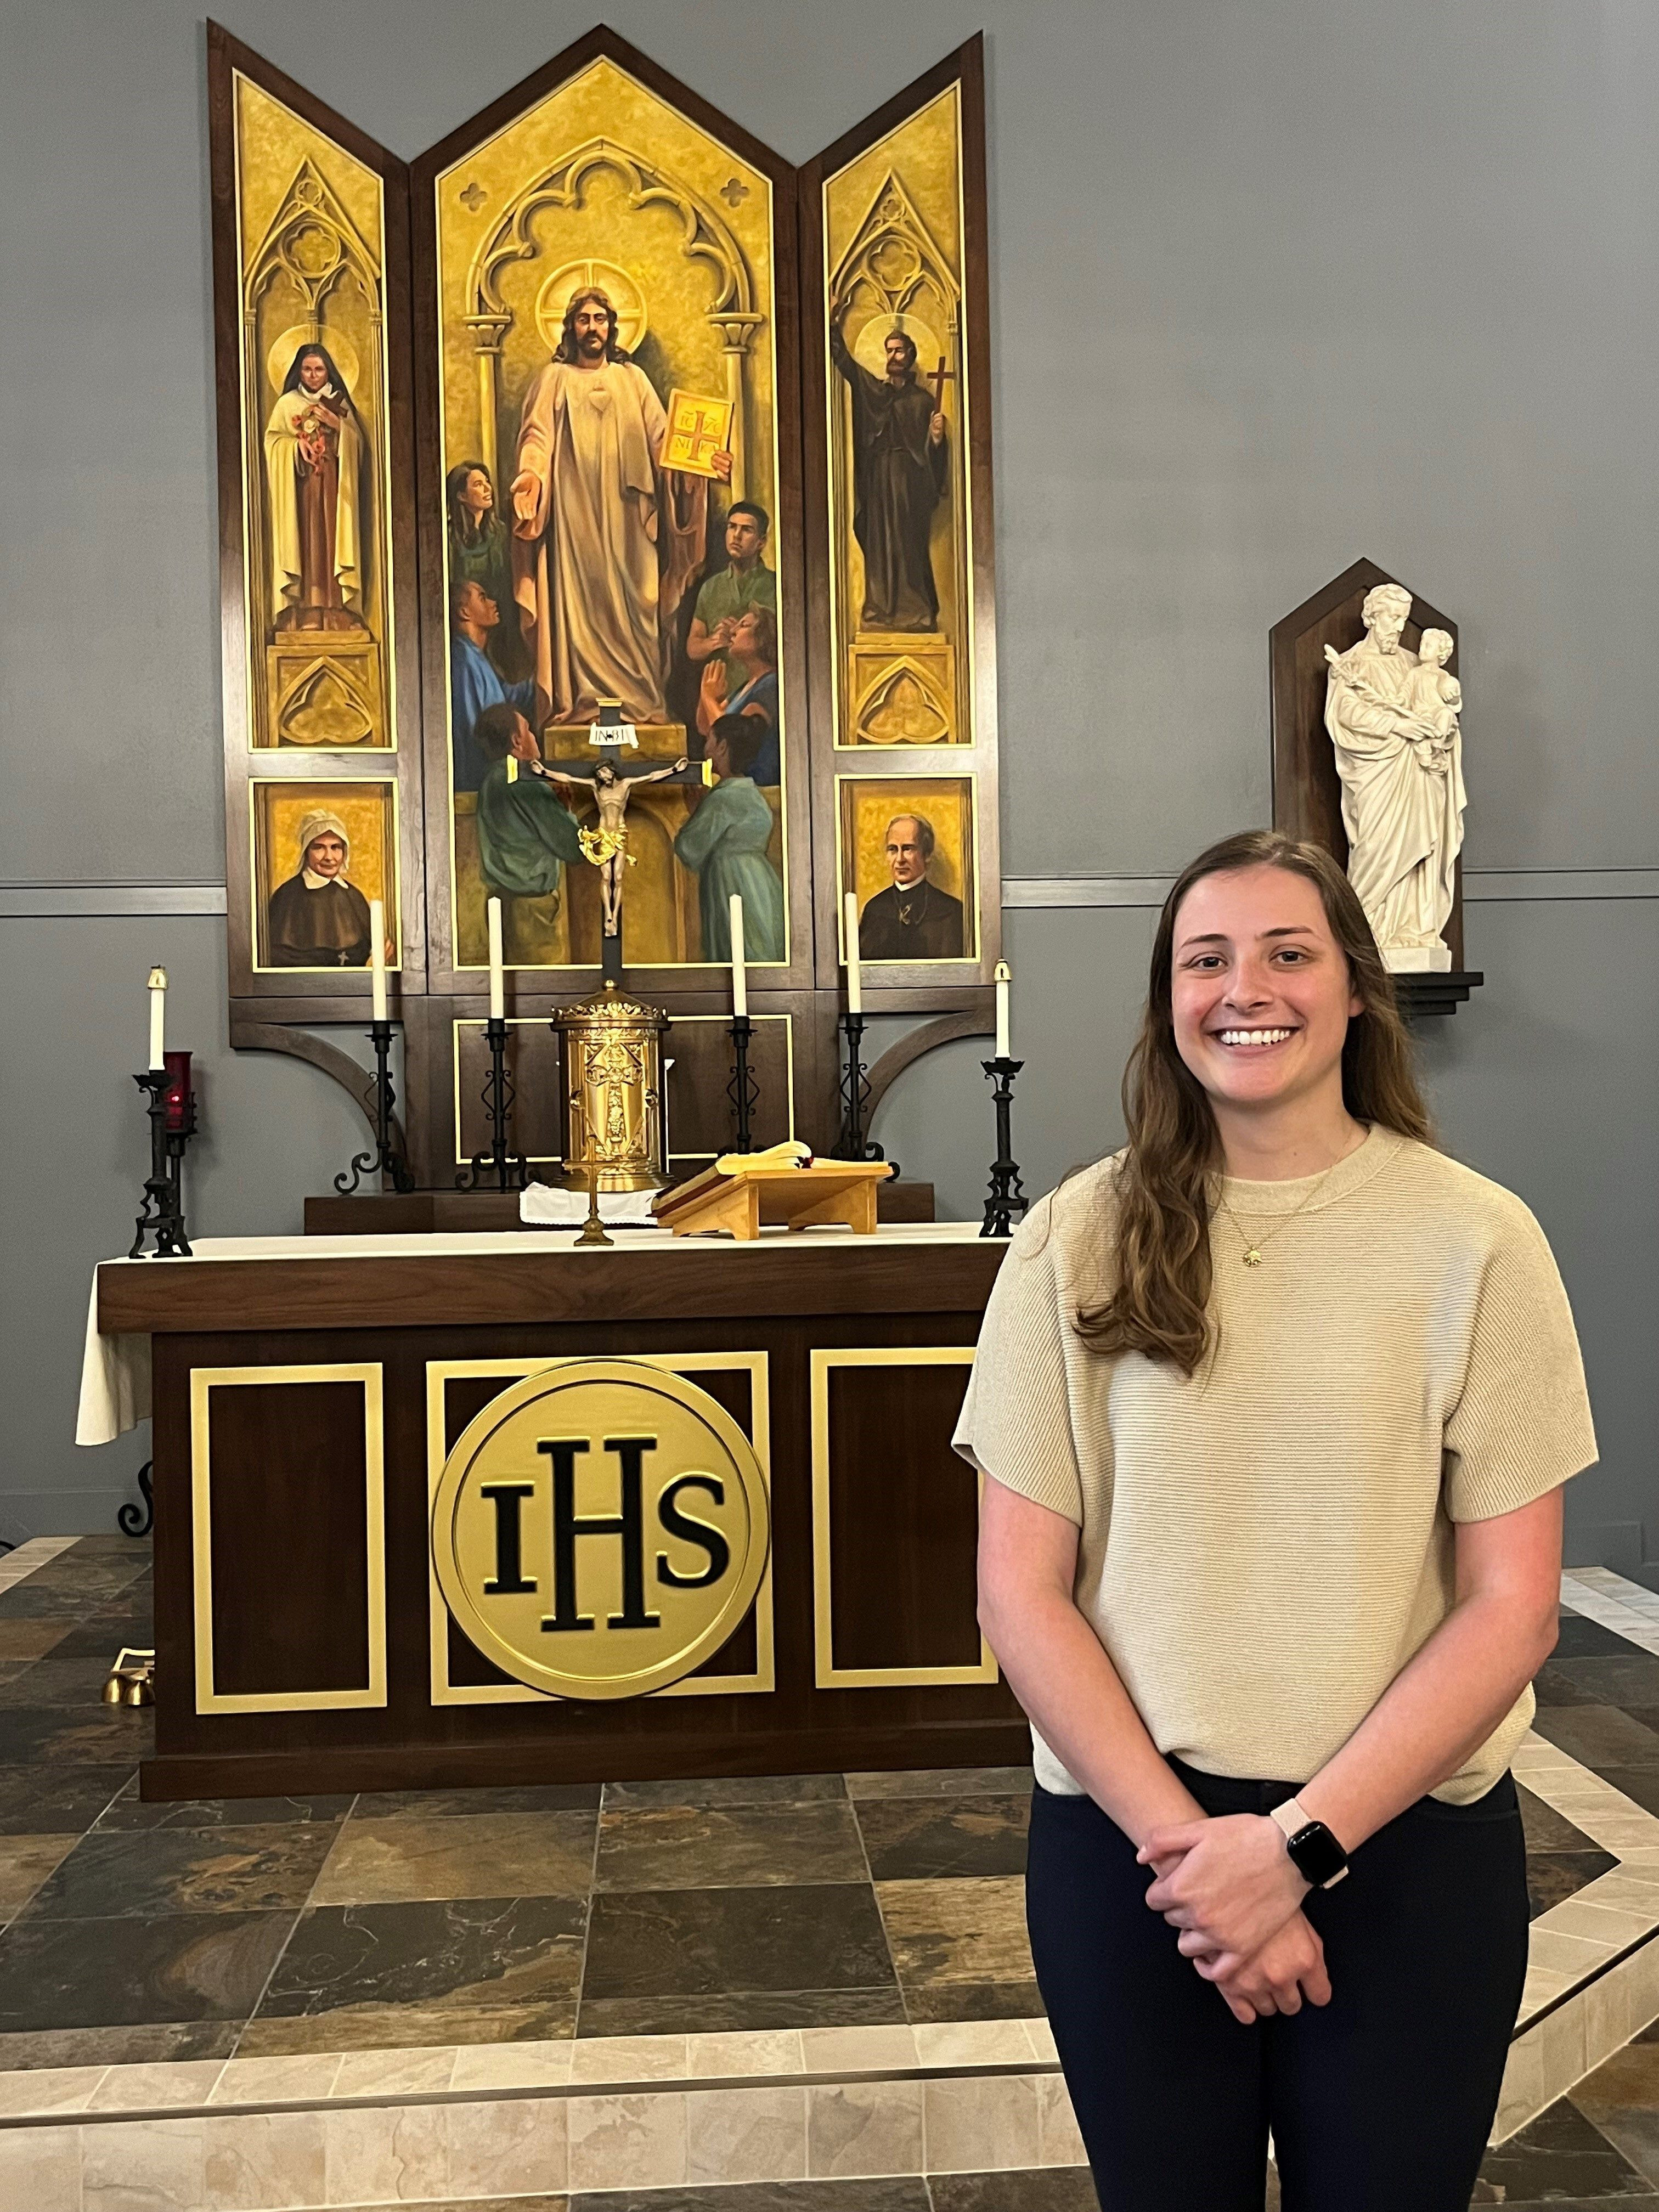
{"x":179,"y":1096}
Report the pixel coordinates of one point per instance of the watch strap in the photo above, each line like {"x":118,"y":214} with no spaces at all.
{"x":1292,"y":1816}
{"x":1314,"y":1851}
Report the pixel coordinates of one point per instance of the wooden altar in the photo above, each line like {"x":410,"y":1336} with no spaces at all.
{"x":306,"y":1392}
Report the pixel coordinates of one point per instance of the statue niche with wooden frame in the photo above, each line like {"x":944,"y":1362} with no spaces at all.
{"x":428,"y":388}
{"x":1307,"y":787}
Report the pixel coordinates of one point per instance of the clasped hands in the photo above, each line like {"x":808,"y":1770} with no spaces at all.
{"x":1230,"y":1888}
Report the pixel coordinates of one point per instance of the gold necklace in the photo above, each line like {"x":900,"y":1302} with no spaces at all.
{"x":1253,"y":1245}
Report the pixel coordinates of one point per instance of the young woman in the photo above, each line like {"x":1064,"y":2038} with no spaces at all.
{"x":1275,"y":1407}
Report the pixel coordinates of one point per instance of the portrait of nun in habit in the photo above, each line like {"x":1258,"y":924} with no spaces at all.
{"x":318,"y":919}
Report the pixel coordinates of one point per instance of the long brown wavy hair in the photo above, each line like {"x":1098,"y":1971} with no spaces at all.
{"x":1163,"y":1184}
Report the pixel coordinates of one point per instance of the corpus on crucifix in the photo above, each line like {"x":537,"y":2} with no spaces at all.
{"x":604,"y":842}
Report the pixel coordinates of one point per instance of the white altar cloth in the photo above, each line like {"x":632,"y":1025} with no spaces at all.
{"x":115,"y":1370}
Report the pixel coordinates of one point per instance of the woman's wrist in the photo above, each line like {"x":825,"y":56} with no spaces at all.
{"x":1227,"y":1882}
{"x":1296,"y":1883}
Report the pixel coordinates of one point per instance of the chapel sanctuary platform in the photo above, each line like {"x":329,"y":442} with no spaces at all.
{"x":308,"y":1393}
{"x":775,"y":1993}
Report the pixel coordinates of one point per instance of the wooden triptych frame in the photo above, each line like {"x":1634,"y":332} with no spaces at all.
{"x":350,"y":359}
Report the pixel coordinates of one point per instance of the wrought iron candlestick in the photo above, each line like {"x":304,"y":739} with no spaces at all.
{"x":851,"y":1144}
{"x":743,"y":1089}
{"x":1007,"y":1195}
{"x":139,"y":1520}
{"x":510,"y":1170}
{"x":163,"y":1213}
{"x":386,"y":1159}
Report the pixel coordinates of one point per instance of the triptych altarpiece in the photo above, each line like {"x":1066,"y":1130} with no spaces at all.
{"x":601,"y":414}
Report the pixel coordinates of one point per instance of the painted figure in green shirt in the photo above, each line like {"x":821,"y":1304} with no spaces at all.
{"x":525,"y":835}
{"x":746,"y":582}
{"x":723,"y":844}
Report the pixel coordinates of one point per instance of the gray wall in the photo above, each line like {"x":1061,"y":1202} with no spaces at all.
{"x":1274,"y":286}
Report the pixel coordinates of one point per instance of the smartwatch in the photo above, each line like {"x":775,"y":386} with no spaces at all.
{"x":1314,"y":1852}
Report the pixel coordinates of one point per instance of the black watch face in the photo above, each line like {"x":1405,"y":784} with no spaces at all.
{"x":1316,"y":1855}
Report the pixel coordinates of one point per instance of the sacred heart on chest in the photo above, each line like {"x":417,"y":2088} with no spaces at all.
{"x":599,"y":400}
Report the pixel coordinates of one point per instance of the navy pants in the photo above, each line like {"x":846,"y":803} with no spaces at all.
{"x":1382,"y":2099}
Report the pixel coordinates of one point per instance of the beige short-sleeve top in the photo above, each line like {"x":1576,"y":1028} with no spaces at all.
{"x":1263,"y":1546}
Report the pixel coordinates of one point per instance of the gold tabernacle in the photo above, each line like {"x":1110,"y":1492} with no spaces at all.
{"x":612,"y":1052}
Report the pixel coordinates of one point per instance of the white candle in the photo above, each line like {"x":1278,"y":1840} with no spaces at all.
{"x":377,"y":956}
{"x":158,"y":1004}
{"x":740,"y":977}
{"x":497,"y":983}
{"x":1004,"y":976}
{"x":850,"y":929}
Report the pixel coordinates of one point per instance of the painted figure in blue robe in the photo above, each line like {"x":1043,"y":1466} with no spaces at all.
{"x":745,"y":682}
{"x":723,"y":844}
{"x":474,"y":683}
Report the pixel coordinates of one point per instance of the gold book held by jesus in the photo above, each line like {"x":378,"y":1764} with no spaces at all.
{"x":697,"y":430}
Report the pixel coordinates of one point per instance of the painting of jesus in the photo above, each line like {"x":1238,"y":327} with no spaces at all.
{"x":605,"y":539}
{"x":600,"y":257}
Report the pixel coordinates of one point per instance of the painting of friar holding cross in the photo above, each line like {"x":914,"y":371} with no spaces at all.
{"x":901,"y":468}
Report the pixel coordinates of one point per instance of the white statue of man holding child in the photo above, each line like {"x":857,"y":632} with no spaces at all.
{"x":1393,"y":719}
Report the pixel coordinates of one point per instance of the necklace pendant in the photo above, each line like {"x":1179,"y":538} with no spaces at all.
{"x":1252,"y":1258}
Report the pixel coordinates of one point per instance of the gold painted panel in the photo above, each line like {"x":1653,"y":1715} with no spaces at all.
{"x":601,"y":259}
{"x":898,"y":427}
{"x":907,"y":846}
{"x":315,"y":405}
{"x":321,"y":852}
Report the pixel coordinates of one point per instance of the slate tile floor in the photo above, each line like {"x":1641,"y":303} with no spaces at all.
{"x":273,"y":1927}
{"x":277,"y":1927}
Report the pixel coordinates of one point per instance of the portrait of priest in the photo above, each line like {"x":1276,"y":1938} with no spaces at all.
{"x":913,"y":919}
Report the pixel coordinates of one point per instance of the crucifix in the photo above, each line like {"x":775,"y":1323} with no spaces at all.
{"x":938,"y":379}
{"x":604,"y":842}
